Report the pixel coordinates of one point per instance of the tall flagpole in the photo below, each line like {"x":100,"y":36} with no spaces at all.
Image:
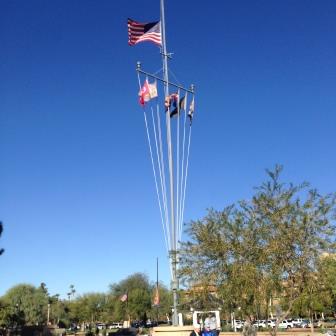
{"x":173,"y":252}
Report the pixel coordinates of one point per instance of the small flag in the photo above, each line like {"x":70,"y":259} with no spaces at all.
{"x":181,"y":107}
{"x":147,"y":92}
{"x":191,"y":110}
{"x":156,"y":300}
{"x":171,"y":101}
{"x":152,"y":90}
{"x":124,"y":297}
{"x":141,"y":32}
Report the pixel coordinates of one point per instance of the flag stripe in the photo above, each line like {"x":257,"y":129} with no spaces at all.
{"x":140,"y":32}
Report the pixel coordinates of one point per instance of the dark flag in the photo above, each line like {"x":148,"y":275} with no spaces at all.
{"x":171,"y":101}
{"x":181,"y":107}
{"x":140,"y":32}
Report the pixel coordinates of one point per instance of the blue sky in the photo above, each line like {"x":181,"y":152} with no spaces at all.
{"x":77,"y":197}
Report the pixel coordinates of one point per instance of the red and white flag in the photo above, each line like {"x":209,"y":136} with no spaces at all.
{"x":147,"y":92}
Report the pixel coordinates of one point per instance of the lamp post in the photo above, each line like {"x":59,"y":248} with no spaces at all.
{"x":48,"y":314}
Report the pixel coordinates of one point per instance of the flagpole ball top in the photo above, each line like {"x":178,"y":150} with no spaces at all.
{"x":138,"y":65}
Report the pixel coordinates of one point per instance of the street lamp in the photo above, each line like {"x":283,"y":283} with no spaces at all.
{"x":48,"y":315}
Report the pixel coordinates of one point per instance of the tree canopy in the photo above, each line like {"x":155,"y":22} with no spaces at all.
{"x":262,"y":255}
{"x":25,"y":304}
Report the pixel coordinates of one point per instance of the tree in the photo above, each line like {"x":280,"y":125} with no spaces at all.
{"x":138,"y":290}
{"x":90,"y":307}
{"x":299,"y":223}
{"x":56,"y":309}
{"x":25,"y":305}
{"x":267,"y":248}
{"x":72,"y":292}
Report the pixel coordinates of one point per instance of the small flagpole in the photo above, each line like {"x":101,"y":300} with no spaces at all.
{"x":157,"y":272}
{"x":157,"y":287}
{"x":173,"y":252}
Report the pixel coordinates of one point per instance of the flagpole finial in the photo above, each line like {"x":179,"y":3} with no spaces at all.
{"x":138,"y":66}
{"x":192,"y":88}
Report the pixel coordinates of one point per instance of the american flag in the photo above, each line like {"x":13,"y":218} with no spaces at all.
{"x":140,"y":32}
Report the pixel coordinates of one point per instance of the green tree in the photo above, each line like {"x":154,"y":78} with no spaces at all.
{"x":72,"y":292}
{"x":266,"y":248}
{"x":56,"y":308}
{"x":90,"y":307}
{"x":326,"y":280}
{"x":7,"y":317}
{"x":26,"y":304}
{"x":138,"y":291}
{"x":299,"y":224}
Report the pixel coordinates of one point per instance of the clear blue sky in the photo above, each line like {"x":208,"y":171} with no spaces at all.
{"x":77,"y":195}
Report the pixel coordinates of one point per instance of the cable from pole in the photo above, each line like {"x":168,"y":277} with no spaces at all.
{"x":182,"y":165}
{"x":163,"y":171}
{"x":176,"y":79}
{"x":177,"y":165}
{"x":153,"y":166}
{"x":164,"y":224}
{"x":155,"y":179}
{"x":186,"y":173}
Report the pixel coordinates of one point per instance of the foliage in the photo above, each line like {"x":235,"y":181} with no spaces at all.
{"x":89,"y":307}
{"x":137,"y":288}
{"x":25,"y":305}
{"x":71,"y":293}
{"x":262,"y":250}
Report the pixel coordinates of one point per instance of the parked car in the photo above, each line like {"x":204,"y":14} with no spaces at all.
{"x":271,"y":323}
{"x":260,"y":324}
{"x":101,"y":326}
{"x":297,"y":322}
{"x":239,"y":324}
{"x":115,"y":325}
{"x":286,"y":324}
{"x":304,"y":324}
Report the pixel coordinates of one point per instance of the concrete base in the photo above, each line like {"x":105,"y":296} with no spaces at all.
{"x":173,"y":331}
{"x":186,"y":330}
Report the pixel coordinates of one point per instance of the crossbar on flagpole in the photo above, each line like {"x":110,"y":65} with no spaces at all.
{"x":191,"y":90}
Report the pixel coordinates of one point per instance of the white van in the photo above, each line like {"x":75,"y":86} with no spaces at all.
{"x":115,"y":325}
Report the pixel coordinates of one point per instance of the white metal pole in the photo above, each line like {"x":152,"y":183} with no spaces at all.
{"x":173,"y":255}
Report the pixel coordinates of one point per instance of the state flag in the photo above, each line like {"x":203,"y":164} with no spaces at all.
{"x":191,"y":110}
{"x":147,"y":92}
{"x":181,"y":107}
